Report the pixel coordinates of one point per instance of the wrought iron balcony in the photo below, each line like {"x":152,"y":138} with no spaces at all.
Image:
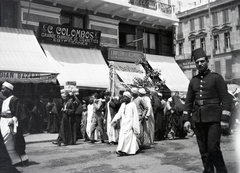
{"x":153,"y":5}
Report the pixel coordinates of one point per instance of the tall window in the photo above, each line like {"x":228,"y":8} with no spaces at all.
{"x":228,"y":69}
{"x":129,"y":39}
{"x":126,"y":36}
{"x":225,"y":16}
{"x":192,"y":25}
{"x":203,"y":43}
{"x":215,"y":19}
{"x":180,"y":27}
{"x":73,"y":20}
{"x":149,"y":42}
{"x":218,"y":67}
{"x":193,"y":45}
{"x":216,"y":42}
{"x":180,"y":47}
{"x":201,"y":22}
{"x":227,"y":40}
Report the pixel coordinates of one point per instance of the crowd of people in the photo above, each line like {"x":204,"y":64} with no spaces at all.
{"x":133,"y":120}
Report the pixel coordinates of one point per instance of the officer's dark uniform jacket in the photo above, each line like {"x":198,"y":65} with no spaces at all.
{"x":208,"y":99}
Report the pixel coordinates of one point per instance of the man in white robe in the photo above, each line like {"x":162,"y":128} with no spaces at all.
{"x":150,"y":122}
{"x":90,"y":118}
{"x":11,"y":119}
{"x":130,"y":128}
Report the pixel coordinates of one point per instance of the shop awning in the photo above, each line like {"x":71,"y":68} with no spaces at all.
{"x":22,"y":59}
{"x":84,"y":67}
{"x":175,"y":79}
{"x":128,"y":71}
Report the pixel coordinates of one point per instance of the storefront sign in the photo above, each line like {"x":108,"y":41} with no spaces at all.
{"x":65,"y":35}
{"x":73,"y":83}
{"x":124,"y":55}
{"x":24,"y":77}
{"x":133,"y":68}
{"x":186,"y":64}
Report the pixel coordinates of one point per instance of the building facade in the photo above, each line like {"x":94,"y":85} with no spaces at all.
{"x":120,"y":21}
{"x":218,"y":34}
{"x":132,"y":26}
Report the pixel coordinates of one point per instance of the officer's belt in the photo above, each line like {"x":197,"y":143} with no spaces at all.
{"x":205,"y":102}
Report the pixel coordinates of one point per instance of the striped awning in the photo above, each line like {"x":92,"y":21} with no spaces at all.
{"x":174,"y":77}
{"x":22,"y":59}
{"x":84,"y":67}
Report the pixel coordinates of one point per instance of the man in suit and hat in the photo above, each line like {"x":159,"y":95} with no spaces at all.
{"x":209,"y":103}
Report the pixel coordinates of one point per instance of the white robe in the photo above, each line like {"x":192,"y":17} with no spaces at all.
{"x":8,"y":131}
{"x":89,"y":121}
{"x":129,"y":128}
{"x":151,"y":120}
{"x":112,"y":133}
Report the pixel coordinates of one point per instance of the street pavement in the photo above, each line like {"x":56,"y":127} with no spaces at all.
{"x":40,"y":137}
{"x":167,"y":156}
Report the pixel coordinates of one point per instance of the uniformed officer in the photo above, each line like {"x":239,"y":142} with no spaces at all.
{"x":209,"y":103}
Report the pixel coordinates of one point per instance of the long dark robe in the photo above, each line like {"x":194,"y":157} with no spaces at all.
{"x":36,"y":122}
{"x":176,"y":119}
{"x":68,"y":132}
{"x":53,"y":118}
{"x":158,"y":116}
{"x":17,"y":110}
{"x":78,"y":117}
{"x":5,"y":161}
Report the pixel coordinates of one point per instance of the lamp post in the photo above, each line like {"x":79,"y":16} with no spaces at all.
{"x":211,"y":39}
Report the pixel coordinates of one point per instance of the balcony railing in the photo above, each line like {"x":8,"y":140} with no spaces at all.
{"x":153,"y":5}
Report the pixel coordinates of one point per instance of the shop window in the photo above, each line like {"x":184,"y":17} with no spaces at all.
{"x":215,"y":19}
{"x":73,"y":20}
{"x":227,"y":40}
{"x":149,"y":43}
{"x":216,"y":42}
{"x":193,"y":45}
{"x":203,"y":43}
{"x":201,"y":22}
{"x":192,"y":25}
{"x":180,"y":47}
{"x":225,"y":16}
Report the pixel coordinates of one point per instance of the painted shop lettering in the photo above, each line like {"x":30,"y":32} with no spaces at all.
{"x":75,"y":33}
{"x":6,"y":75}
{"x":28,"y":75}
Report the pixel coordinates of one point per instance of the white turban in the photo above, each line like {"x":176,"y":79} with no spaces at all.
{"x":142,"y":91}
{"x":8,"y":85}
{"x":134,"y":90}
{"x":127,"y":94}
